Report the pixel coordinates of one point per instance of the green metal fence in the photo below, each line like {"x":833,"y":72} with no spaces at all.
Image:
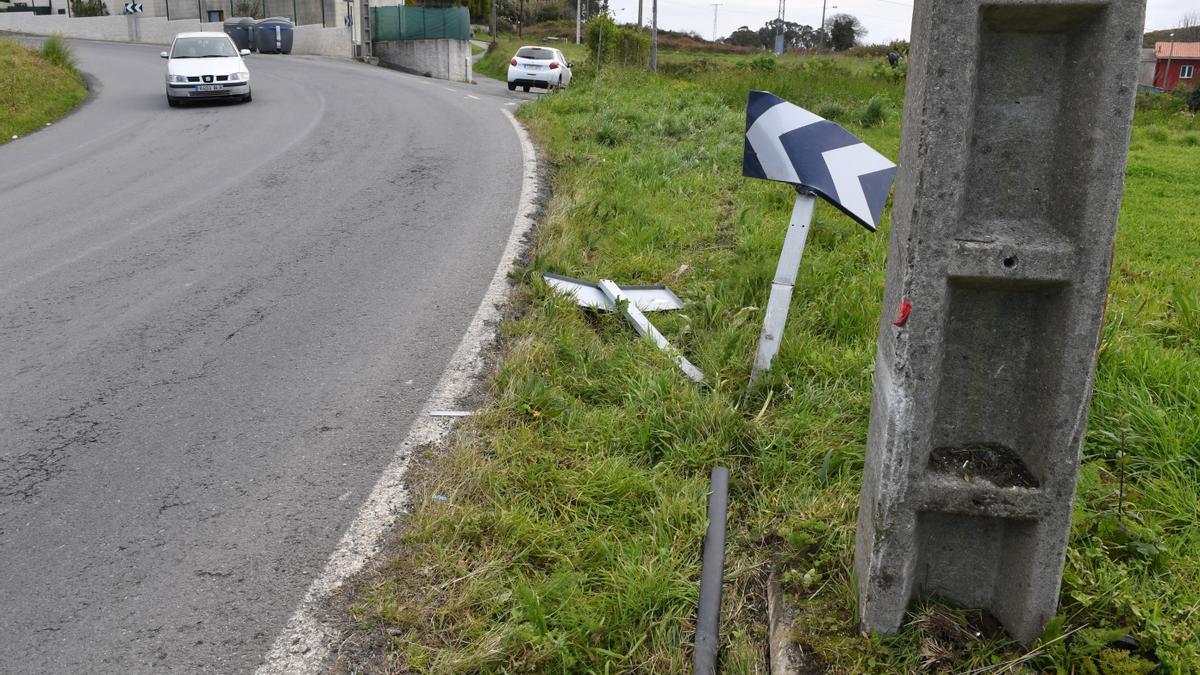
{"x":414,"y":22}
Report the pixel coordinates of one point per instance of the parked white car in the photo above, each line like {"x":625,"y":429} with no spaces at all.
{"x":542,"y":67}
{"x":206,"y":66}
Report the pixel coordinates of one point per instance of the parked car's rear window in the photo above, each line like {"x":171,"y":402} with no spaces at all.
{"x":535,"y":53}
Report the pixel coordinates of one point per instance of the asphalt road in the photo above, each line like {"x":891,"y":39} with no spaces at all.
{"x":216,"y":322}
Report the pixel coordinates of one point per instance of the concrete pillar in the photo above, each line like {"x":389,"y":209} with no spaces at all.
{"x":1016,"y":125}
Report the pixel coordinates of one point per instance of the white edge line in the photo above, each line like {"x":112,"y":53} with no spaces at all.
{"x":305,"y":642}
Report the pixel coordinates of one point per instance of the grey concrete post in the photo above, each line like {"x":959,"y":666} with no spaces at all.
{"x":1016,"y":125}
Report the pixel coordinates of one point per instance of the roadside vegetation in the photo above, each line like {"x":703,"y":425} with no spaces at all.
{"x":36,"y":86}
{"x":563,"y":531}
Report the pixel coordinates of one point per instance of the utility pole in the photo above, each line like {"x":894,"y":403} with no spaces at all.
{"x":779,"y":28}
{"x":493,"y":22}
{"x":824,"y":33}
{"x":715,"y":6}
{"x":578,"y":6}
{"x":639,"y":15}
{"x":654,"y":36}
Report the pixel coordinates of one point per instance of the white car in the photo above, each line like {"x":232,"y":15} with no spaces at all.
{"x":205,"y":66}
{"x":542,"y":67}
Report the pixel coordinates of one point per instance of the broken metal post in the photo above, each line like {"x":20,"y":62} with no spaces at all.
{"x":785,"y":280}
{"x":643,"y":326}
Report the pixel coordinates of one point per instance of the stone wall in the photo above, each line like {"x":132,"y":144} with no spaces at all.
{"x":315,"y":40}
{"x":443,"y":59}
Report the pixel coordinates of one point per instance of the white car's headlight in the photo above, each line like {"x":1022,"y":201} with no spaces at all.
{"x":176,"y":78}
{"x":239,"y":77}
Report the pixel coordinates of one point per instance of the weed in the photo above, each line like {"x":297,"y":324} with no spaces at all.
{"x":56,"y":50}
{"x":873,"y":113}
{"x":832,"y":110}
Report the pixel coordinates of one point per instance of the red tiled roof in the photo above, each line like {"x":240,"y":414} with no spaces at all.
{"x":1181,"y":50}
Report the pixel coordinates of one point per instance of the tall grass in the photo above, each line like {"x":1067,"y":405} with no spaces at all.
{"x":568,"y":535}
{"x":56,"y":50}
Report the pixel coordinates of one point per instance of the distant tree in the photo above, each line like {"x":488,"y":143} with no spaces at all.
{"x":88,"y":8}
{"x":743,"y":37}
{"x":1189,"y":20}
{"x":844,"y":31}
{"x":795,"y":36}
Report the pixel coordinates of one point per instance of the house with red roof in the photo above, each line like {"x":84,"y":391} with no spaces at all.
{"x":1176,"y":64}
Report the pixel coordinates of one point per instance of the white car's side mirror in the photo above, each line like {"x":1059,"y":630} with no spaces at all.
{"x":163,"y":54}
{"x":245,"y":52}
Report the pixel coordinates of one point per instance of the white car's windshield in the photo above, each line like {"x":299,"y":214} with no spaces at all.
{"x":535,"y":53}
{"x":202,"y":48}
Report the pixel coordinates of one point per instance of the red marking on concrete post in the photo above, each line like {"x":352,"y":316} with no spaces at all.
{"x":905,"y":309}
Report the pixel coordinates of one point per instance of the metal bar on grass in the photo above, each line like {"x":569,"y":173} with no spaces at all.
{"x":780,"y":300}
{"x":712,"y":574}
{"x":643,"y":326}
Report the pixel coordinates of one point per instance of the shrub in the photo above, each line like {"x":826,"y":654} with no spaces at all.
{"x":763,"y":63}
{"x":56,"y":51}
{"x":874,"y":113}
{"x":832,"y":110}
{"x":609,"y":43}
{"x":88,"y":8}
{"x":1193,"y":102}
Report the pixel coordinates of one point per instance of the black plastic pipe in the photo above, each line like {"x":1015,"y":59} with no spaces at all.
{"x":712,"y":573}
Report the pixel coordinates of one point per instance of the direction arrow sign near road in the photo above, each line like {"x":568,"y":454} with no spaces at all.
{"x":133,"y":8}
{"x":787,"y":143}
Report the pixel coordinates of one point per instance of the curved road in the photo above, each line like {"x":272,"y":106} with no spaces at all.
{"x":216,"y":323}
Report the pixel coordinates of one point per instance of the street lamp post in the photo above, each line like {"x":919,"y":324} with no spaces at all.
{"x":1170,"y":53}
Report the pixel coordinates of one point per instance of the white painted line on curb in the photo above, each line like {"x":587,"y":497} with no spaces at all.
{"x":304,"y":644}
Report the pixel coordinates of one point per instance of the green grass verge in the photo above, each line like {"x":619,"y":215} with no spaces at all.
{"x":569,"y":536}
{"x":36,"y":87}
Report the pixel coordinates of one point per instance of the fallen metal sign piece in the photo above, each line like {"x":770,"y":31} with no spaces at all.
{"x":647,"y":298}
{"x":632,"y":300}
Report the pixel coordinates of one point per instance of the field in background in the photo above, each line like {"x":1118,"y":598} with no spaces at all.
{"x":36,"y":87}
{"x":563,"y":532}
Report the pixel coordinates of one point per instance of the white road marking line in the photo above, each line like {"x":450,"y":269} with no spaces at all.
{"x":448,"y":89}
{"x":474,"y":97}
{"x":304,"y":644}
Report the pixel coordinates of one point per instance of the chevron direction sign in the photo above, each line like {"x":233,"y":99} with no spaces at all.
{"x":133,"y":8}
{"x":787,"y":143}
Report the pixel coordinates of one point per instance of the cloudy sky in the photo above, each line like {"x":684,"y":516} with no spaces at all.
{"x":885,"y":20}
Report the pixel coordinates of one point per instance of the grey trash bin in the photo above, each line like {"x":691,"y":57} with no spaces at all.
{"x":240,"y":30}
{"x":273,"y":35}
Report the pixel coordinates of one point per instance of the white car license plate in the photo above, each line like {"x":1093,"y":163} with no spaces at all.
{"x":208,"y":87}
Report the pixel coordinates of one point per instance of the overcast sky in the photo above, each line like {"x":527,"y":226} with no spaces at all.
{"x":886,"y":20}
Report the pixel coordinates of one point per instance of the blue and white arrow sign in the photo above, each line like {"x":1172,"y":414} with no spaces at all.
{"x":133,"y":8}
{"x":787,"y":143}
